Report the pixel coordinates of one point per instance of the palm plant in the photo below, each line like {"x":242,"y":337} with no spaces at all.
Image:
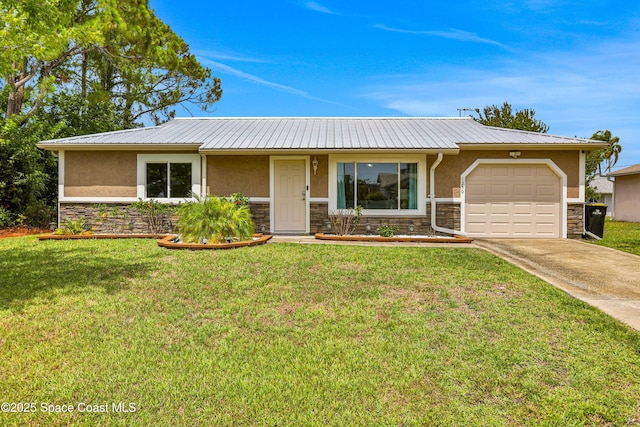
{"x":607,"y":156}
{"x":215,"y":219}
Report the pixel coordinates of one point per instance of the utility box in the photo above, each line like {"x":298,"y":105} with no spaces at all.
{"x":595,"y":214}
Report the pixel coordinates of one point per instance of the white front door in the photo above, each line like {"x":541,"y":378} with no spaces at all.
{"x":290,"y":196}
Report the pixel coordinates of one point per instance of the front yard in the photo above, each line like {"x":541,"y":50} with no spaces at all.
{"x":624,"y":236}
{"x":297,"y":335}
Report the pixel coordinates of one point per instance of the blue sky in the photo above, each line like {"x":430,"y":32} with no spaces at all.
{"x":576,"y":63}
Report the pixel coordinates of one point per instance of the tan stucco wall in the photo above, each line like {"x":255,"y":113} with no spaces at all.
{"x":100,"y":174}
{"x":627,"y":198}
{"x":320,"y":181}
{"x":452,"y":166}
{"x":248,"y":175}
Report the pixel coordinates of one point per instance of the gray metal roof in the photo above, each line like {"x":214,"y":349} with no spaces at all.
{"x":319,"y":133}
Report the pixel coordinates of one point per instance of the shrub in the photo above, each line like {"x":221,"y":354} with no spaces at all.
{"x":39,"y":214}
{"x":154,"y":214}
{"x":119,"y":215}
{"x":215,"y":219}
{"x":387,"y":230}
{"x":70,"y":226}
{"x":5,"y":218}
{"x":345,"y":221}
{"x":238,"y":200}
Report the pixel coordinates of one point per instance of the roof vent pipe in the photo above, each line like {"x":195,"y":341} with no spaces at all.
{"x":432,"y":196}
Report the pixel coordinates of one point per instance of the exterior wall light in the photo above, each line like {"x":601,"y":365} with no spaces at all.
{"x":514,"y":154}
{"x":315,"y":165}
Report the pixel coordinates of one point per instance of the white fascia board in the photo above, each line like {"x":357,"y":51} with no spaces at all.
{"x":326,"y":151}
{"x":529,"y":146}
{"x":98,"y":199}
{"x":120,"y":147}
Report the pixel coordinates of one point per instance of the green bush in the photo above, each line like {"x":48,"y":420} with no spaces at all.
{"x":238,"y":199}
{"x":154,"y":213}
{"x":70,"y":226}
{"x":215,"y":219}
{"x":6,"y":219}
{"x":39,"y":214}
{"x":387,"y":230}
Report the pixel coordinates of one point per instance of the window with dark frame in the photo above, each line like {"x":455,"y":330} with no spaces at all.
{"x":168,"y":180}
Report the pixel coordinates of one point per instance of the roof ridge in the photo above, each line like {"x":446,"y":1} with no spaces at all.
{"x":322,"y":118}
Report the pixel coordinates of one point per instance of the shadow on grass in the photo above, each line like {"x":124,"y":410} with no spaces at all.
{"x":31,"y":269}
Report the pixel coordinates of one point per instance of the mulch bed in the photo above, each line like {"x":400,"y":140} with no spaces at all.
{"x":21,"y":231}
{"x":168,"y":243}
{"x":90,"y":236}
{"x":406,"y":239}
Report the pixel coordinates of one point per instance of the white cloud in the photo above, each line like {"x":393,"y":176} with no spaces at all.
{"x":453,"y":34}
{"x":311,"y":5}
{"x":226,"y":69}
{"x":228,"y":56}
{"x":575,"y":93}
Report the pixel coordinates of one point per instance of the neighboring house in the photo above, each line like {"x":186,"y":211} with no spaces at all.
{"x":626,"y":194}
{"x":451,"y":175}
{"x":604,"y":187}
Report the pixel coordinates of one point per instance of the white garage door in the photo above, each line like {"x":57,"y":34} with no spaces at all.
{"x":513,"y":201}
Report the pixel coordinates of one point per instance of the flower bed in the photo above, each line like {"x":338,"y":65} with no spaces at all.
{"x":165,"y":240}
{"x":99,"y":236}
{"x":169,"y":242}
{"x":414,"y":239}
{"x":20,"y":231}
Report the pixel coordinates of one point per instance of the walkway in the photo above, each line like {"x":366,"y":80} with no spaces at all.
{"x":604,"y":278}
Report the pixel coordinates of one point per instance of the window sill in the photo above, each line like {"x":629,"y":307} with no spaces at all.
{"x":388,"y":212}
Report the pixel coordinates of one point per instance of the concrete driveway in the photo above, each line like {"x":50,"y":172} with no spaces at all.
{"x":605,"y":278}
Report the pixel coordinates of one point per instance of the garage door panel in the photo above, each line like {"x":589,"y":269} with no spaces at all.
{"x":498,"y":173}
{"x":522,"y":209}
{"x":477,"y":189}
{"x":524,"y":172}
{"x":513,"y":201}
{"x":498,"y":209}
{"x":498,"y":190}
{"x":476,"y":227}
{"x":546,"y":191}
{"x":522,"y":229}
{"x":522,"y":190}
{"x":477,"y":209}
{"x":546,"y":209}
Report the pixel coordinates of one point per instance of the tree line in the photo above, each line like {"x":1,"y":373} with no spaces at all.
{"x":81,"y":67}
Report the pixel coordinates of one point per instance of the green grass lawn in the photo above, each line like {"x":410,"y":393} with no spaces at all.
{"x":624,"y":236}
{"x":302,"y":335}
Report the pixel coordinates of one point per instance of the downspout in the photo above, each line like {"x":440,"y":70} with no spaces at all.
{"x":203,"y":175}
{"x":432,"y":195}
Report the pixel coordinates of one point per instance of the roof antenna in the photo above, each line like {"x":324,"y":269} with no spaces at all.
{"x":463,"y":110}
